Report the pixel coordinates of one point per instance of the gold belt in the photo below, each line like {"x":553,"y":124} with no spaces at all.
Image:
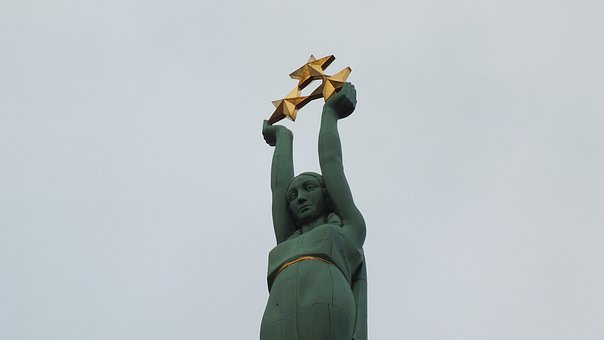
{"x":300,"y":259}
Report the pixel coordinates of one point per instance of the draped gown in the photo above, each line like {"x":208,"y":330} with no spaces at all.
{"x":314,"y":299}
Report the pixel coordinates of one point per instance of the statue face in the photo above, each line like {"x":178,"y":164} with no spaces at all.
{"x":306,"y":199}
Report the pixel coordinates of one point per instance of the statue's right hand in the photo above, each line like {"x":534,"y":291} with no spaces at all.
{"x":270,"y":132}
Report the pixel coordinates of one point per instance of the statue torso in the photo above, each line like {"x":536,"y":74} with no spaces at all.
{"x":327,"y":241}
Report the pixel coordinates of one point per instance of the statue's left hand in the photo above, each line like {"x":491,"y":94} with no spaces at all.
{"x":343,"y":102}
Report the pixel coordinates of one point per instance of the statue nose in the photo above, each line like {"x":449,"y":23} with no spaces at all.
{"x":301,"y":199}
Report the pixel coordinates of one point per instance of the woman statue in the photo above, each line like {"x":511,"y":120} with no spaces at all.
{"x":316,"y":275}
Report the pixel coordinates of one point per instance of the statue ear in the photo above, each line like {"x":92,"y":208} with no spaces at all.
{"x":333,"y":218}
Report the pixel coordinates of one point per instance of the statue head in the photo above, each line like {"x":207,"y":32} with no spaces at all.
{"x":307,"y":198}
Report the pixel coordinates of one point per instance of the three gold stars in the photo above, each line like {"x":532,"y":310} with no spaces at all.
{"x":312,"y":70}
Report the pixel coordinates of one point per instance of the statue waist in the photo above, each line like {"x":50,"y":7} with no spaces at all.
{"x":324,"y":243}
{"x":300,"y":259}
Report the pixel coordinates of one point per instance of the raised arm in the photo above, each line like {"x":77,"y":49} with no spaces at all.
{"x":339,"y":106}
{"x":282,"y":172}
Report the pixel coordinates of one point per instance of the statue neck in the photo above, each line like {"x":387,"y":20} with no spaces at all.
{"x":310,"y":225}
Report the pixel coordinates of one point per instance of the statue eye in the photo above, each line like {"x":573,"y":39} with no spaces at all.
{"x":292,"y":195}
{"x":310,"y":187}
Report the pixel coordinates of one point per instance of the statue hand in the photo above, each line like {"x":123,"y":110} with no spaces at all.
{"x":343,"y":102}
{"x":270,"y":132}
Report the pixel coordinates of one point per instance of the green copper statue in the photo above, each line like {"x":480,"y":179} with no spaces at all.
{"x":316,"y":276}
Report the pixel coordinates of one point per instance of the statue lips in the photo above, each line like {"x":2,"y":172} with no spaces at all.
{"x":304,"y":208}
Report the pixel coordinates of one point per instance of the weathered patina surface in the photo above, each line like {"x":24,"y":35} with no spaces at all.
{"x":317,"y":275}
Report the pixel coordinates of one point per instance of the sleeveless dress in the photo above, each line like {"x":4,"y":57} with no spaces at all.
{"x":312,"y":299}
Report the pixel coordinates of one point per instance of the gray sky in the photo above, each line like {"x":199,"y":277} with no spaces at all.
{"x":134,"y":180}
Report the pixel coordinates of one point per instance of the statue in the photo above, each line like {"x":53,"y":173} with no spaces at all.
{"x":317,"y":276}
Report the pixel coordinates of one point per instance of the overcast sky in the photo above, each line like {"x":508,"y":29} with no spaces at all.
{"x":134,"y":180}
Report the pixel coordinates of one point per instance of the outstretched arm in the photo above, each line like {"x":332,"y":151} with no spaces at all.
{"x":282,"y":171}
{"x":339,"y":106}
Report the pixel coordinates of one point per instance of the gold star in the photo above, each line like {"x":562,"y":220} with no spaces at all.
{"x":312,"y":70}
{"x":332,"y":84}
{"x":288,"y":106}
